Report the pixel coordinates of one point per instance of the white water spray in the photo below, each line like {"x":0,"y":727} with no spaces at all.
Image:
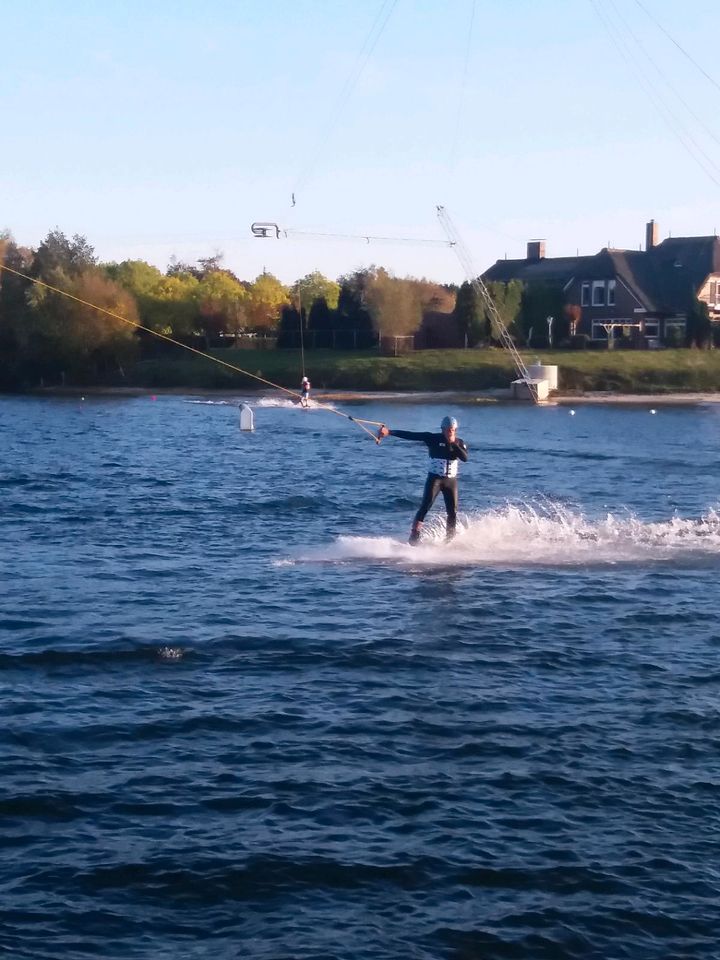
{"x":549,"y":535}
{"x":284,"y":404}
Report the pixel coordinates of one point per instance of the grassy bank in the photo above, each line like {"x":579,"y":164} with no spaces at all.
{"x":659,"y":371}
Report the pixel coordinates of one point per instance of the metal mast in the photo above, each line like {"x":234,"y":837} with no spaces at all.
{"x":501,"y":331}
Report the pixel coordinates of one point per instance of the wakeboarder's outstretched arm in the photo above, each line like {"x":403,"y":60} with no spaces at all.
{"x":455,"y":444}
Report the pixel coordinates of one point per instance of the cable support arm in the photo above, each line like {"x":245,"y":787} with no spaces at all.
{"x":264,"y":230}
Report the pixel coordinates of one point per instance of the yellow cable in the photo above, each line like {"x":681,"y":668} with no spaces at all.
{"x":163,"y":336}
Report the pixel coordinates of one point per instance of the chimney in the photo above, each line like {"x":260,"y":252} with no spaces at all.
{"x":536,"y":250}
{"x":652,"y":233}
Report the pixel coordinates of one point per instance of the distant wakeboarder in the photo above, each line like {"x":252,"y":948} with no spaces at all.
{"x":305,"y":392}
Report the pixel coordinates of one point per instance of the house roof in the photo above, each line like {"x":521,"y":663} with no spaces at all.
{"x":663,"y":279}
{"x":547,"y":270}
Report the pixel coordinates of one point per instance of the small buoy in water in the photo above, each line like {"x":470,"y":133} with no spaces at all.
{"x":82,"y":398}
{"x":246,"y":418}
{"x":653,"y":411}
{"x":572,"y":413}
{"x":153,"y":397}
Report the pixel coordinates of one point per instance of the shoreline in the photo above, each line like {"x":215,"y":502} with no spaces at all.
{"x":500,"y":396}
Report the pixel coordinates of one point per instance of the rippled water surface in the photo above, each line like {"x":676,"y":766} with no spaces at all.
{"x":240,"y":717}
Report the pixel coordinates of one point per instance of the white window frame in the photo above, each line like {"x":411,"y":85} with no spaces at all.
{"x":597,"y":286}
{"x":626,"y":326}
{"x":585,"y":293}
{"x":652,"y":333}
{"x":604,"y":334}
{"x":610,"y":298}
{"x":680,"y":325}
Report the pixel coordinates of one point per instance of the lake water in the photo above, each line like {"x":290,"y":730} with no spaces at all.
{"x":241,"y":718}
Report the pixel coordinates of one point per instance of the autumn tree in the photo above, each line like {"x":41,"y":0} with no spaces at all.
{"x":394,"y":304}
{"x":221,"y":300}
{"x":62,"y":335}
{"x":265,"y":298}
{"x":572,"y":313}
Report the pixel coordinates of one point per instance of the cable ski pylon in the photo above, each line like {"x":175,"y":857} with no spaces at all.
{"x":185,"y":346}
{"x":463,"y":255}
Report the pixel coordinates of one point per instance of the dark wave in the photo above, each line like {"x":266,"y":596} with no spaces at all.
{"x":92,"y":657}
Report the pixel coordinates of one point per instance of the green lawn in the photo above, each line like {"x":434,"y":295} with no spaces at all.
{"x":630,"y":371}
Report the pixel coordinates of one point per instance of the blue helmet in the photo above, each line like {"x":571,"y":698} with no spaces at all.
{"x":449,"y":423}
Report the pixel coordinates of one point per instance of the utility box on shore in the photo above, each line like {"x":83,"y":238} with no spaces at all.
{"x":530,"y":390}
{"x":542,"y":371}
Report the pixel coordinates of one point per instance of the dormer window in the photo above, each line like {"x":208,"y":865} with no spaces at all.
{"x":598,"y":293}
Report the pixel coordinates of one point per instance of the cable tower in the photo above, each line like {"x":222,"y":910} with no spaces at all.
{"x":501,"y":331}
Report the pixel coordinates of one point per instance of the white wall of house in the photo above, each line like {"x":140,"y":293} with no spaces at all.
{"x":710,"y":293}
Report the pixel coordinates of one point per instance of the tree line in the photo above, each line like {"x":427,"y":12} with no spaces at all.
{"x":44,"y":333}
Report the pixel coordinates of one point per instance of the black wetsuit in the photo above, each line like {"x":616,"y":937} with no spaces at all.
{"x":442,"y":478}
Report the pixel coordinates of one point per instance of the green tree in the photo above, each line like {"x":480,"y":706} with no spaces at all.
{"x":289,"y":327}
{"x":352,"y":313}
{"x":507,"y":300}
{"x":173,"y":309}
{"x":177,"y":268}
{"x":137,"y":276}
{"x":540,"y":301}
{"x":221,"y":301}
{"x":167,"y":304}
{"x":58,"y":257}
{"x":13,"y":290}
{"x":313,"y":287}
{"x":468,"y":314}
{"x":265,"y":298}
{"x":698,"y":329}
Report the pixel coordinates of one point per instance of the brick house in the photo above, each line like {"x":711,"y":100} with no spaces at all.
{"x":640,"y":296}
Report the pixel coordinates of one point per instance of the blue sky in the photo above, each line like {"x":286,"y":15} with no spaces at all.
{"x":163,"y":128}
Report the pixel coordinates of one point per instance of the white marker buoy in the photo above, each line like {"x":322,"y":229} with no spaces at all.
{"x":572,"y":413}
{"x":246,"y":418}
{"x":653,"y":411}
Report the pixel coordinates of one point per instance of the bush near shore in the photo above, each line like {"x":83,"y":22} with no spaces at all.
{"x":465,"y":370}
